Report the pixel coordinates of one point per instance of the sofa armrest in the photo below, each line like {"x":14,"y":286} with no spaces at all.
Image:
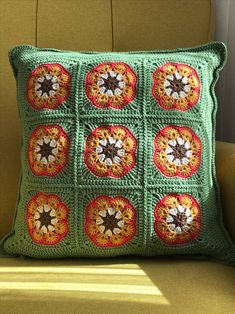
{"x":225,"y":167}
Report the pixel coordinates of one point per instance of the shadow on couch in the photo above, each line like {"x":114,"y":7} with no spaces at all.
{"x":116,"y":285}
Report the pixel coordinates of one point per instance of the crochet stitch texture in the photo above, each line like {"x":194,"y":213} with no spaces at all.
{"x":118,"y":154}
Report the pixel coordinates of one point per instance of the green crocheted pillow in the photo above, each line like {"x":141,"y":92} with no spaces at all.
{"x":118,"y":154}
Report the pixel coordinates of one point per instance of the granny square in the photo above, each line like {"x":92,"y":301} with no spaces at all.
{"x":118,"y":154}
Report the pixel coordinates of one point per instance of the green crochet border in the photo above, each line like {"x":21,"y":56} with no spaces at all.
{"x":214,"y":54}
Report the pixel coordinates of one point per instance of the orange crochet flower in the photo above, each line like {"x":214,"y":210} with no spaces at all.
{"x":48,"y":86}
{"x":110,"y":151}
{"x":176,"y":86}
{"x":110,"y":221}
{"x":111,"y":84}
{"x":177,"y":218}
{"x":48,"y":150}
{"x":177,"y":151}
{"x":47,"y":219}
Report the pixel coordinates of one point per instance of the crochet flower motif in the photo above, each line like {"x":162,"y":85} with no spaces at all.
{"x":48,"y":150}
{"x":177,"y":151}
{"x":177,"y":219}
{"x":47,"y":219}
{"x":48,"y":86}
{"x":110,"y":221}
{"x":110,"y":151}
{"x":111,"y":84}
{"x":176,"y":86}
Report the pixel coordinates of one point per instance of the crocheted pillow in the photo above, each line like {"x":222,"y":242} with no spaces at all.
{"x":118,"y":154}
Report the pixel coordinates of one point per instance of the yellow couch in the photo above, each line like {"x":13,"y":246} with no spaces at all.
{"x":117,"y":285}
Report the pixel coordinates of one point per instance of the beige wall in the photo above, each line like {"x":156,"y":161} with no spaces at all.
{"x":225,"y":27}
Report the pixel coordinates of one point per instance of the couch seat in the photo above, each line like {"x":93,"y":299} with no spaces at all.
{"x":116,"y":285}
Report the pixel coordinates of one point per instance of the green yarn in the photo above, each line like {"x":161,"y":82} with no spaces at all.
{"x":118,"y":154}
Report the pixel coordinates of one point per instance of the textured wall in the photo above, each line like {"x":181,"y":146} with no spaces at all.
{"x":225,"y":27}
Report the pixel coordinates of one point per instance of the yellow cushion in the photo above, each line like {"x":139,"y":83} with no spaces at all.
{"x":225,"y":165}
{"x":84,"y":25}
{"x":120,"y":285}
